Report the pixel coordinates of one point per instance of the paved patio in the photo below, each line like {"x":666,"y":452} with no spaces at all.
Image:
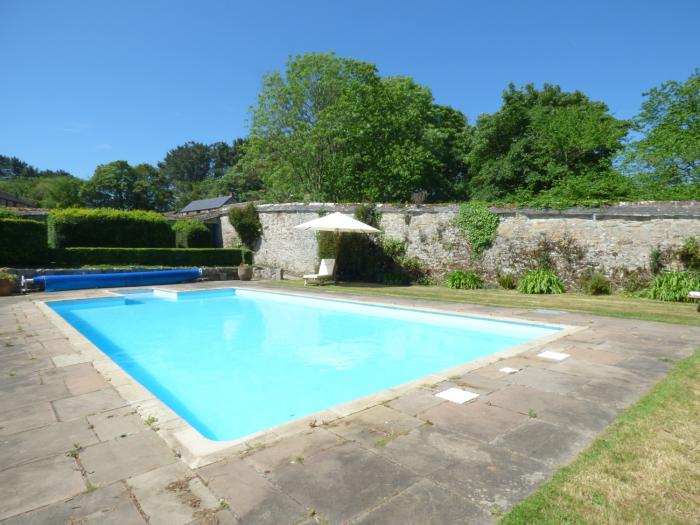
{"x":74,"y":450}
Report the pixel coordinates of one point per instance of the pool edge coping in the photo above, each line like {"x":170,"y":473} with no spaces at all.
{"x":198,"y":451}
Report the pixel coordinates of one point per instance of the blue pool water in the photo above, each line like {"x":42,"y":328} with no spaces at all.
{"x":232,"y":362}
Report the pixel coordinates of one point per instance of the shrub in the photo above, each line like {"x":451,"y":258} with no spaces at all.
{"x":595,"y":283}
{"x":673,"y":286}
{"x":656,"y":264}
{"x":246,"y":222}
{"x":478,"y":224}
{"x":8,"y":213}
{"x":108,"y":227}
{"x":76,"y":257}
{"x":540,"y":281}
{"x":463,"y":280}
{"x":506,"y":281}
{"x":192,"y":234}
{"x":22,"y":242}
{"x":689,"y":254}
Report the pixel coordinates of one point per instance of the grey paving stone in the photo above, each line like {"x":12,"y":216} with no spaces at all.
{"x":343,"y":482}
{"x":617,"y":395}
{"x":36,"y":484}
{"x":425,"y":503}
{"x":26,"y":417}
{"x":548,"y":380}
{"x":477,"y":420}
{"x":595,"y":355}
{"x":648,"y":368}
{"x":600,"y":371}
{"x":493,"y":477}
{"x":172,"y":495}
{"x":56,"y":438}
{"x":423,"y":450}
{"x":105,"y":506}
{"x":374,"y":425}
{"x":565,"y":411}
{"x":125,"y":457}
{"x":415,"y":402}
{"x":86,"y":404}
{"x":544,"y":442}
{"x":117,"y":423}
{"x":30,"y":394}
{"x":291,"y":448}
{"x":478,"y":383}
{"x":252,"y":498}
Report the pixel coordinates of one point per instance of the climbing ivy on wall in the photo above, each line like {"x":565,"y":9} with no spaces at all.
{"x":478,"y":224}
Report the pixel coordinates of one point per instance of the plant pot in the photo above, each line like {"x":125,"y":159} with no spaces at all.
{"x":6,"y":287}
{"x":245,"y":273}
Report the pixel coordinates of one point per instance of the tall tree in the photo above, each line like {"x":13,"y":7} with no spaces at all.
{"x":331,"y":128}
{"x":194,"y":169}
{"x":538,"y":139}
{"x":667,"y":152}
{"x":119,"y":185}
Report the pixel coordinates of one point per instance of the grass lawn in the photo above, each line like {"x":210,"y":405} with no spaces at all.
{"x":645,"y":469}
{"x":608,"y":305}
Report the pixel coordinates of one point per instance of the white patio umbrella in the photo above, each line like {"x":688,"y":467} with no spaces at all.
{"x":338,"y":223}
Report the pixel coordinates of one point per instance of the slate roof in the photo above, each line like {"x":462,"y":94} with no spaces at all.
{"x":207,"y":204}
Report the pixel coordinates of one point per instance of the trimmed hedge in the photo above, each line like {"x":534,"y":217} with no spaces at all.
{"x":76,"y":257}
{"x":108,"y":227}
{"x":192,"y":234}
{"x":22,"y":242}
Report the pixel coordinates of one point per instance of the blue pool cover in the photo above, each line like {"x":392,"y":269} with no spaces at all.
{"x":55,"y":283}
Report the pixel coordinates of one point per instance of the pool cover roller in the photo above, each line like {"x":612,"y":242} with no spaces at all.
{"x":55,"y":283}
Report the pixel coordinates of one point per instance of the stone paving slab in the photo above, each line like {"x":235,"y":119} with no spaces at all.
{"x":53,"y":439}
{"x":411,"y":458}
{"x":172,"y":495}
{"x":251,"y":497}
{"x":110,"y":505}
{"x":426,"y":503}
{"x":126,"y":457}
{"x":341,"y":482}
{"x":36,"y":484}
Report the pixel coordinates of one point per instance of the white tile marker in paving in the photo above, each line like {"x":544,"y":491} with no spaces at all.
{"x":509,"y":370}
{"x":554,"y":356}
{"x":457,"y":395}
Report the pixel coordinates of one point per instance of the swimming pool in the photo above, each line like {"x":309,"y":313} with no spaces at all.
{"x":233,"y":362}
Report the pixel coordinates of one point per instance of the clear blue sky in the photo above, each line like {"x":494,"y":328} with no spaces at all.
{"x":89,"y":82}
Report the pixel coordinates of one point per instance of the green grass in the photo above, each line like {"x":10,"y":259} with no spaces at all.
{"x":645,"y":469}
{"x":607,"y":305}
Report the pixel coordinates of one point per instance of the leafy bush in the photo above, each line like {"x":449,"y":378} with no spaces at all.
{"x":192,"y":234}
{"x":22,"y":242}
{"x":506,"y":281}
{"x":246,"y":222}
{"x":689,"y":254}
{"x":8,"y":213}
{"x":656,"y":264}
{"x":595,"y":283}
{"x":478,"y":224}
{"x":463,"y":280}
{"x":107,"y":227}
{"x":632,"y":281}
{"x":673,"y":286}
{"x":540,"y":281}
{"x":77,"y":257}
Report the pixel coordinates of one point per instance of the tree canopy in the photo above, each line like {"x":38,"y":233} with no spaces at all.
{"x":331,"y":128}
{"x":666,"y":151}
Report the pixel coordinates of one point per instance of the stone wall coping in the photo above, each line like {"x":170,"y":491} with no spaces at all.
{"x":643,"y":210}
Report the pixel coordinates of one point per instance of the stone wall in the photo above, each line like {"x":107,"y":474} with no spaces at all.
{"x":616,"y":237}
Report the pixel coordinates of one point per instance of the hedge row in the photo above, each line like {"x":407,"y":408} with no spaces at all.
{"x":107,"y":227}
{"x":192,"y":234}
{"x":22,"y":242}
{"x":76,"y":257}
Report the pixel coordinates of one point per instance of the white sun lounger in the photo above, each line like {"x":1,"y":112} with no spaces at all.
{"x":695,"y":295}
{"x":325,"y":273}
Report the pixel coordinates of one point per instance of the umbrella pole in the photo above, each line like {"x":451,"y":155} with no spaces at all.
{"x":337,"y":248}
